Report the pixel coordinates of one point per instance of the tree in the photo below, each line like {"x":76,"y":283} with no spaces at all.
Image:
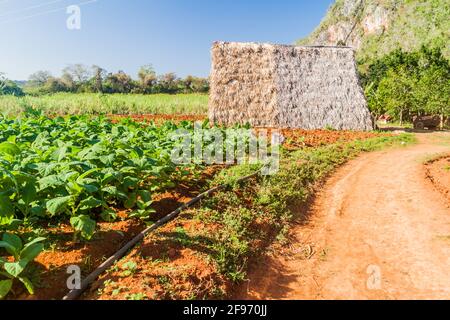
{"x":194,"y":84}
{"x":168,"y":83}
{"x":409,"y":83}
{"x":433,"y":92}
{"x":8,"y":87}
{"x":79,"y":72}
{"x":78,"y":78}
{"x":2,"y":81}
{"x":119,"y":82}
{"x":55,"y":85}
{"x":377,"y":108}
{"x":147,"y":77}
{"x":98,"y":75}
{"x":395,"y":92}
{"x":69,"y":82}
{"x":39,"y":78}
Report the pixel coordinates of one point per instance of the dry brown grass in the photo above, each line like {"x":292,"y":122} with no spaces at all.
{"x":287,"y":86}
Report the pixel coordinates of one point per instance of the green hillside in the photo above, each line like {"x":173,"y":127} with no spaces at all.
{"x":377,"y":27}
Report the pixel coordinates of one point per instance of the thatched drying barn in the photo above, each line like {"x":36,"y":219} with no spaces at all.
{"x":287,"y":86}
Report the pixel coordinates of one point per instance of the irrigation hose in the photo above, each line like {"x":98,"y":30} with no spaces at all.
{"x":76,"y":293}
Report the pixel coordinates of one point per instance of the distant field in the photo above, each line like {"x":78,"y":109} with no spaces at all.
{"x":68,"y":103}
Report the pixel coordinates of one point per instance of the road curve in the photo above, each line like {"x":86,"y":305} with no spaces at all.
{"x":378,"y":230}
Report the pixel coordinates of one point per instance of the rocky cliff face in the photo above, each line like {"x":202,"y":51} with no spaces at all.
{"x":376,"y":27}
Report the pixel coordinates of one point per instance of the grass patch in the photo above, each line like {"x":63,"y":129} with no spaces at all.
{"x":243,"y":220}
{"x":93,"y":104}
{"x":396,"y":124}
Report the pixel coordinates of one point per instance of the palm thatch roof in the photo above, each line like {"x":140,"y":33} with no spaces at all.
{"x":287,"y":86}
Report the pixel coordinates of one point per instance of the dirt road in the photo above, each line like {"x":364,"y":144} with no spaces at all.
{"x":378,"y":230}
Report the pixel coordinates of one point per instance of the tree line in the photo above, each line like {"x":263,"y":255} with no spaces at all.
{"x":400,"y":84}
{"x":407,"y":84}
{"x":78,"y":78}
{"x":8,"y":87}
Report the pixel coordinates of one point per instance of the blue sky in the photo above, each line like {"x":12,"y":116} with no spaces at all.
{"x":172,"y":35}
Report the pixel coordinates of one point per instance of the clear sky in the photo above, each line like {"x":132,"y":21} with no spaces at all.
{"x":172,"y":35}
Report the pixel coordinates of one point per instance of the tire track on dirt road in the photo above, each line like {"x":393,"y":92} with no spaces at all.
{"x":378,"y":230}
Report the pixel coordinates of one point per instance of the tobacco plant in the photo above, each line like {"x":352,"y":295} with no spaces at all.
{"x":81,"y":170}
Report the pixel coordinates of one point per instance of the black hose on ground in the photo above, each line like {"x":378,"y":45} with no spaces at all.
{"x":76,"y":293}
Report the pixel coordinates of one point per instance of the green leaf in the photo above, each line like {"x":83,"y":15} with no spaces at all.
{"x":108,"y":160}
{"x":108,"y":215}
{"x":71,"y":176}
{"x":90,"y":203}
{"x":22,"y":177}
{"x":14,"y":224}
{"x":6,"y":221}
{"x":5,"y":288}
{"x":60,"y":153}
{"x":28,"y":284}
{"x":130,"y":182}
{"x":74,"y":188}
{"x":143,"y":214}
{"x":6,"y":211}
{"x":50,"y":181}
{"x":31,"y":251}
{"x":145,"y":195}
{"x":87,"y":174}
{"x":89,"y":188}
{"x":144,"y":205}
{"x":14,"y":241}
{"x":36,"y":240}
{"x":131,"y":201}
{"x":38,"y":211}
{"x":112,"y":190}
{"x":6,"y":207}
{"x":85,"y":225}
{"x":9,"y":175}
{"x":111,"y":176}
{"x":29,"y":193}
{"x":58,"y":205}
{"x":9,"y":148}
{"x":8,"y":247}
{"x":15,"y":268}
{"x":12,"y":139}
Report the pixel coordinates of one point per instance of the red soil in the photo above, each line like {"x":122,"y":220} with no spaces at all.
{"x":439,"y":173}
{"x":51,"y":265}
{"x":167,"y":268}
{"x":297,"y":138}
